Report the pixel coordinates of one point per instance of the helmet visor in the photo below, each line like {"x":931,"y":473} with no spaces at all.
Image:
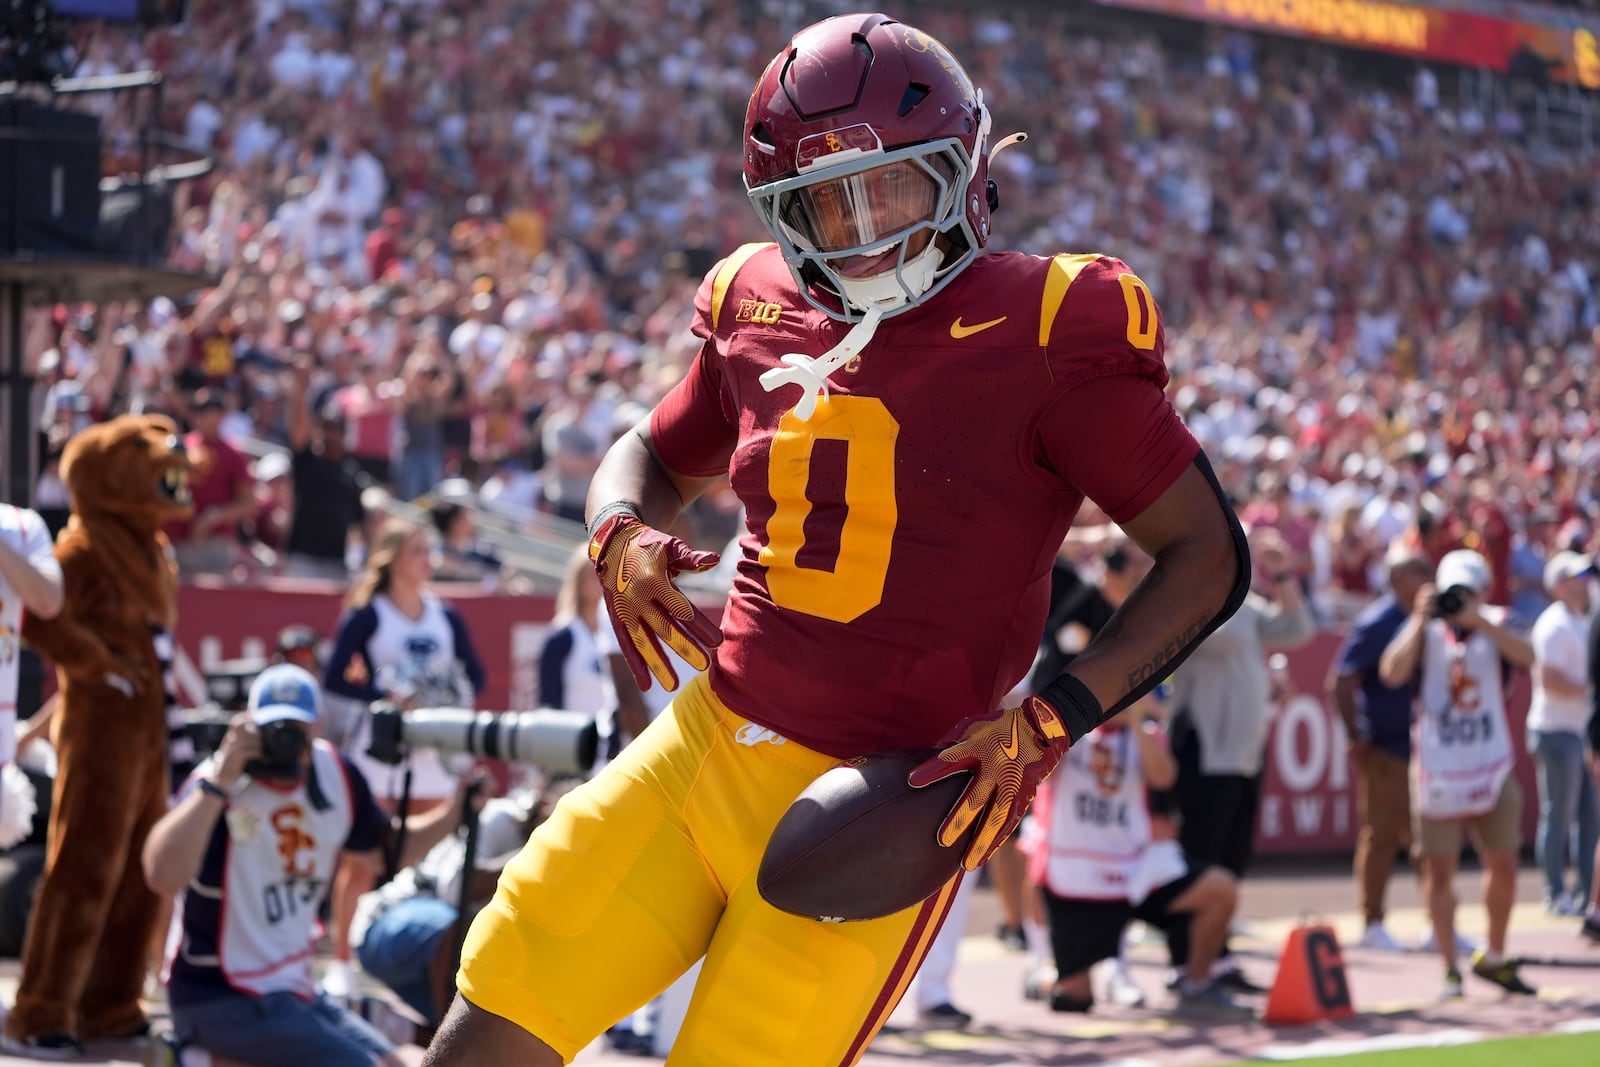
{"x":866,"y":208}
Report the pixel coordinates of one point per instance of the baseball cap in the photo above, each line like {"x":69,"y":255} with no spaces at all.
{"x":1463,"y":567}
{"x":283,"y":692}
{"x":1564,"y":565}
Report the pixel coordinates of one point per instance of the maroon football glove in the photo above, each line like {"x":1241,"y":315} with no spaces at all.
{"x":1009,"y":754}
{"x":636,"y":565}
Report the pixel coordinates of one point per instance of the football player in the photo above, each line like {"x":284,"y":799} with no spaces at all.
{"x":911,"y":423}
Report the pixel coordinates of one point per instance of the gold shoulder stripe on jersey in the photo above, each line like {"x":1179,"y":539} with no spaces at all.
{"x":958,"y":330}
{"x":1064,"y":270}
{"x":730,"y":266}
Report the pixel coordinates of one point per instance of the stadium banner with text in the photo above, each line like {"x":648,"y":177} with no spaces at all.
{"x":1308,"y":794}
{"x":1570,"y":52}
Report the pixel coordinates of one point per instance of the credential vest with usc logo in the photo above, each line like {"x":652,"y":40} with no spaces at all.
{"x":1463,"y":746}
{"x":244,"y":922}
{"x":1098,"y":819}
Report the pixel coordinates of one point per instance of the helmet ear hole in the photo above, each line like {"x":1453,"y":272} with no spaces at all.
{"x":992,"y":191}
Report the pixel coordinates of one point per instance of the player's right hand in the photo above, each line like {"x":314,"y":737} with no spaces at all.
{"x":636,"y":565}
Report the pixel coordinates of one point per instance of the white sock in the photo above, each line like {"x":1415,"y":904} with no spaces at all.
{"x":1036,"y":936}
{"x":1491,"y":958}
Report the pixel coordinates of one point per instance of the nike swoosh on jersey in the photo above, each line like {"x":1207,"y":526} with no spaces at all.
{"x":958,"y":331}
{"x":1010,"y":748}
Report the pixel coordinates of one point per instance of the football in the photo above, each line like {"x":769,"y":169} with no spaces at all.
{"x":859,"y":843}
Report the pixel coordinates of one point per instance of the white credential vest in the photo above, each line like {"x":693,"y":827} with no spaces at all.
{"x":1099,"y":820}
{"x":279,"y":863}
{"x":1463,"y":747}
{"x":26,"y":532}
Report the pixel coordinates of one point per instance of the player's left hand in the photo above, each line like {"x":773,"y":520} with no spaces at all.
{"x":1009,"y":754}
{"x":636,"y":565}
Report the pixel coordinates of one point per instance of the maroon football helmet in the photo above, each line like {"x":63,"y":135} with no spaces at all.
{"x":866,"y":155}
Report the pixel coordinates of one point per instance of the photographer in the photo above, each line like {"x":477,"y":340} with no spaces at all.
{"x":1460,"y":653}
{"x":250,"y":845}
{"x":404,"y":931}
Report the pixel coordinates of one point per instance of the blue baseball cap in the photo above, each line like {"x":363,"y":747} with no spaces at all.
{"x":284,"y":692}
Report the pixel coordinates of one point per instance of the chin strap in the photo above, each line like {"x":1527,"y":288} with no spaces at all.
{"x":811,"y":374}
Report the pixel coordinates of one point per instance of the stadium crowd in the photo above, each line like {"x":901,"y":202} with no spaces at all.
{"x":1379,"y":304}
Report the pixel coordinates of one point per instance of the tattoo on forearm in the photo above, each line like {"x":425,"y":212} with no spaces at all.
{"x":1166,"y":654}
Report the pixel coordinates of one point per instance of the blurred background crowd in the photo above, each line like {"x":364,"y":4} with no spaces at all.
{"x":461,"y":265}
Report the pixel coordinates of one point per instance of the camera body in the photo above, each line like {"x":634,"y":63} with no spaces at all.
{"x":1448,"y":602}
{"x":283,"y":748}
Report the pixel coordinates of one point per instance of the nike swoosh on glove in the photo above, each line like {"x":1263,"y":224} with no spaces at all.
{"x":636,"y":565}
{"x":1009,"y":754}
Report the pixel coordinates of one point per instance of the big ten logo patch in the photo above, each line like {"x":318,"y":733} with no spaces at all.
{"x":758,"y":311}
{"x":293,"y":841}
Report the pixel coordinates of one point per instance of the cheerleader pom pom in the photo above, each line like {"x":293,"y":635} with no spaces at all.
{"x":18,"y":805}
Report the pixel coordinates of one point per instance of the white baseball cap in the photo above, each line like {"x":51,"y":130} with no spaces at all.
{"x":1564,"y":565}
{"x":1463,"y":567}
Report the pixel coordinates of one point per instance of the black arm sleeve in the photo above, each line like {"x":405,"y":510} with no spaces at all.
{"x":466,"y":652}
{"x":1079,"y":708}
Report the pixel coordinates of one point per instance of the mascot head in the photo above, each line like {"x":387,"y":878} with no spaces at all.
{"x":132,"y":468}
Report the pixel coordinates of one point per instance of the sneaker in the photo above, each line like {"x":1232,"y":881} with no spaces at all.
{"x":1037,"y":982}
{"x":1122,"y":990}
{"x":1012,"y":938}
{"x":1591,"y":926}
{"x":1452,"y":985}
{"x":44,"y":1046}
{"x":1376,"y":937}
{"x":1503,"y":974}
{"x":1066,"y":1002}
{"x":1236,"y":981}
{"x":944,"y":1017}
{"x":339,"y":980}
{"x":1213,"y":1003}
{"x":1565,"y":905}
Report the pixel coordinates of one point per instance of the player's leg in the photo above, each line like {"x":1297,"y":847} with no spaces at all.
{"x":778,"y":990}
{"x":619,"y":891}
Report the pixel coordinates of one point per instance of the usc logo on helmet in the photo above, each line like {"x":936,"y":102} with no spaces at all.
{"x":758,"y":311}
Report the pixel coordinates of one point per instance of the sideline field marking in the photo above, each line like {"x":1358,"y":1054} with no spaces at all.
{"x":1578,"y":1026}
{"x":1354,"y":1046}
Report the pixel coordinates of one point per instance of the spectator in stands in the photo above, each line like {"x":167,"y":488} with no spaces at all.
{"x":239,"y":979}
{"x":327,"y":487}
{"x":1569,"y":812}
{"x":1219,"y":727}
{"x":1529,"y":551}
{"x":429,"y":382}
{"x":1458,"y":650}
{"x":224,"y":492}
{"x":1377,"y":720}
{"x":461,"y":559}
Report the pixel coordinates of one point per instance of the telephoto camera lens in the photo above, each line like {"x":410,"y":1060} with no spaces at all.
{"x":557,"y":741}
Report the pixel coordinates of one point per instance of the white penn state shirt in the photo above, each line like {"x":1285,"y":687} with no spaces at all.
{"x":24,"y":531}
{"x":1463,"y":747}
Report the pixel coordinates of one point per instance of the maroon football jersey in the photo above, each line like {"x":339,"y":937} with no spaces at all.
{"x":895,"y":572}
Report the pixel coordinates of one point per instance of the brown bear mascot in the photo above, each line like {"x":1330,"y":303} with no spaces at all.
{"x":83,"y":964}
